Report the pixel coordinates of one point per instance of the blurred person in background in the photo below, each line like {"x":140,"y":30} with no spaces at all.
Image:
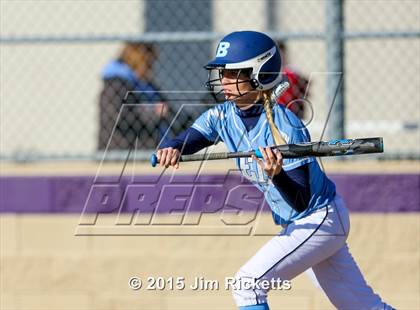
{"x":128,"y":80}
{"x":293,"y":97}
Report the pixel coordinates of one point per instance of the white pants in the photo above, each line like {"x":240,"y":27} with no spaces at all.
{"x":316,"y":243}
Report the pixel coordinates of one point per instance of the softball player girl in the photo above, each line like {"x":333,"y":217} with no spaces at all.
{"x":302,"y":199}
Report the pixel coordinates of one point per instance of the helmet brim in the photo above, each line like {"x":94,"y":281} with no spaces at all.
{"x":215,"y":64}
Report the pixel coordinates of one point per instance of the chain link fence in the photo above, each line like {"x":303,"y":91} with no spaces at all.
{"x":56,"y":58}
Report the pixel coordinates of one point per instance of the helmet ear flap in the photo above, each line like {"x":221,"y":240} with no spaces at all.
{"x":270,"y":71}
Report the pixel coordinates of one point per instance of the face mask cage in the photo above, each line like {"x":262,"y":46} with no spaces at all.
{"x":215,"y":86}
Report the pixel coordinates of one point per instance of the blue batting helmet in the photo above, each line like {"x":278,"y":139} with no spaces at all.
{"x":251,"y":51}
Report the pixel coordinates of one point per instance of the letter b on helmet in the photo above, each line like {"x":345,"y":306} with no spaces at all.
{"x":222,"y":50}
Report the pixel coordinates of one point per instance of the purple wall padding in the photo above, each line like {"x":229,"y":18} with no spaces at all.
{"x":55,"y":194}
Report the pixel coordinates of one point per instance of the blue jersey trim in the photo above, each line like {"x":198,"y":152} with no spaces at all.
{"x":294,"y":187}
